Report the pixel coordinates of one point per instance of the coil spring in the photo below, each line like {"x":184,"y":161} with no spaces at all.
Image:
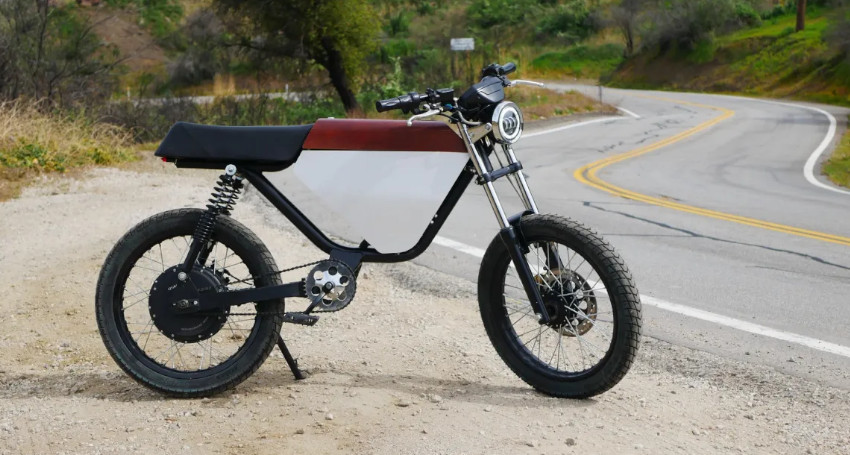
{"x":222,"y":200}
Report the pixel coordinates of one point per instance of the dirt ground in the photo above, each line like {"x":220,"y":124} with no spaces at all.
{"x":406,"y":369}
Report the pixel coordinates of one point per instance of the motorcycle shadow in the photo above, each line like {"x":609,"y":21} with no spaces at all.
{"x":116,"y":386}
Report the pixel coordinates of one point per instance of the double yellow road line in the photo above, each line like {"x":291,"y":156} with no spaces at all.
{"x":588,"y":175}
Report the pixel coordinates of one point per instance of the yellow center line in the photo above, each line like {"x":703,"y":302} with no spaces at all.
{"x":588,"y":175}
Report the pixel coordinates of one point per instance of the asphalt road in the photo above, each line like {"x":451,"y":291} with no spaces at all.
{"x":745,"y":159}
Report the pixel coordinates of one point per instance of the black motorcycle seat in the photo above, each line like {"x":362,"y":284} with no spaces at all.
{"x":265,"y":146}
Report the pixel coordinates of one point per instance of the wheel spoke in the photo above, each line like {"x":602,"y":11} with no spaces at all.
{"x":562,"y":278}
{"x":155,"y":342}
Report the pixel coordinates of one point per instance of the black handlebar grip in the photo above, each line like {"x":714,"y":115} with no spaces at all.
{"x":387,"y":105}
{"x":404,"y":102}
{"x":509,"y":68}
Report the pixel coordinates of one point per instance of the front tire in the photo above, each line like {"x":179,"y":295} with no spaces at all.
{"x":590,"y":295}
{"x":226,"y":347}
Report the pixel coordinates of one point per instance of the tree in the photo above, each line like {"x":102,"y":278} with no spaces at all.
{"x":625,"y":16}
{"x":336,"y":34}
{"x":801,"y":15}
{"x":51,"y":53}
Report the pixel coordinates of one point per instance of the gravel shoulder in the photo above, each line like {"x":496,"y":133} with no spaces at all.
{"x":407,"y":368}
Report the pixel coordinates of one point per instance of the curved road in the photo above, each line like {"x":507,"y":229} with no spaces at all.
{"x":747,"y":162}
{"x":734,"y":251}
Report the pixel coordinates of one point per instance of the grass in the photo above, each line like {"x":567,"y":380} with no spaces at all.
{"x":768,"y":60}
{"x":837,"y":168}
{"x":32,"y":143}
{"x":540,"y":104}
{"x":581,"y":61}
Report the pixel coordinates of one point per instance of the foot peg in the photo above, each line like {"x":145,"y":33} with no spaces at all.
{"x":300,"y":318}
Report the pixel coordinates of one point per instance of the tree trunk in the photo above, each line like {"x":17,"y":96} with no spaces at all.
{"x":339,"y":79}
{"x":801,"y":15}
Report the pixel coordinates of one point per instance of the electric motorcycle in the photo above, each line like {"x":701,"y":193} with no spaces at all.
{"x":190,"y":302}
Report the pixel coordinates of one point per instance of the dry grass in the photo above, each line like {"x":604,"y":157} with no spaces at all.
{"x":32,"y":142}
{"x":539,"y":104}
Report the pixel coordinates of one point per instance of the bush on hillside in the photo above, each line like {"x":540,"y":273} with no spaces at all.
{"x":747,"y":14}
{"x":50,"y":53}
{"x":204,"y":54}
{"x":571,"y":22}
{"x":490,"y":13}
{"x":688,"y":24}
{"x":838,"y":34}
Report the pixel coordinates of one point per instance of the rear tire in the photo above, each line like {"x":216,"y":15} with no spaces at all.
{"x":595,"y":262}
{"x":260,"y":333}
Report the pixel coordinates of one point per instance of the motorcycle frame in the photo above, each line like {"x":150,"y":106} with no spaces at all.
{"x":478,"y":165}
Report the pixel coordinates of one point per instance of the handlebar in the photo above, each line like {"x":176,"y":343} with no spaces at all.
{"x":406,"y":103}
{"x":412,"y":101}
{"x":498,"y":70}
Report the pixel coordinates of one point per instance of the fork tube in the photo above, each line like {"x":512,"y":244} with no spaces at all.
{"x":528,"y":199}
{"x":478,"y":162}
{"x":509,"y":235}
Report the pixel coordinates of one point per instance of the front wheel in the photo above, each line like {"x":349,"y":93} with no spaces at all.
{"x":594,"y":306}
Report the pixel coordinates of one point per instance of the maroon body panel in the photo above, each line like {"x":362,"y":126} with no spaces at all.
{"x":381,"y":135}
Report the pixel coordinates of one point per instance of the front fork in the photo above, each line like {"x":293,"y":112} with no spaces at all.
{"x":510,"y":232}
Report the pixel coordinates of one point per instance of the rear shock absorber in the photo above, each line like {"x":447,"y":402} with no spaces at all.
{"x":222,"y":200}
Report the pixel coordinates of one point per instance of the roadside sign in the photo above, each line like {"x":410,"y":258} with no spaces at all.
{"x":463,"y":44}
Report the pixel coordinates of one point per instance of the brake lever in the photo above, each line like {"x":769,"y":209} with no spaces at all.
{"x":522,"y":82}
{"x":430,"y":113}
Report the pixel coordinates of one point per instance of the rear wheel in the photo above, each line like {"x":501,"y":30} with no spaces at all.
{"x":186,"y":354}
{"x":594,"y":307}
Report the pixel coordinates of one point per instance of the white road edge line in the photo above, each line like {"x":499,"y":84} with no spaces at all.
{"x":809,"y":167}
{"x":628,"y":112}
{"x":574,"y":125}
{"x":695,"y":313}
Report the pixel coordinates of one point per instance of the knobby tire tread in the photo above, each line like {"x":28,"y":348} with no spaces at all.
{"x":622,"y":292}
{"x":123,"y":250}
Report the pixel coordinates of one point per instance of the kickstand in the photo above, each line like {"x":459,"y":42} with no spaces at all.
{"x":293,"y":364}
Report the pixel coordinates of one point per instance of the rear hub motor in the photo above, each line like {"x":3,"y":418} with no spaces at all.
{"x":173,"y":292}
{"x":569,"y":300}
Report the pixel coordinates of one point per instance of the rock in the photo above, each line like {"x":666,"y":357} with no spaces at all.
{"x":403,"y":404}
{"x":299,"y":431}
{"x":532,"y":443}
{"x":488,"y":409}
{"x":435,"y":398}
{"x":329,"y":416}
{"x":695,"y":432}
{"x":570,"y":442}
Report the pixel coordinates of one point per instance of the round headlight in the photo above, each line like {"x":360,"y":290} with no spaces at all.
{"x":507,"y":122}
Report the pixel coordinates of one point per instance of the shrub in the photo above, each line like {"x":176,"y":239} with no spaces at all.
{"x":838,"y":34}
{"x":159,"y":16}
{"x":683,"y":24}
{"x":489,"y":13}
{"x":204,"y":55}
{"x":570,"y":21}
{"x":746,"y":14}
{"x":50,"y":53}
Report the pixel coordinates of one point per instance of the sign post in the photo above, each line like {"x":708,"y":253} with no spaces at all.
{"x":466,"y":45}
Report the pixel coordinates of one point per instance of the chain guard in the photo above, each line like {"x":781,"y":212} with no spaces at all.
{"x":330,"y":286}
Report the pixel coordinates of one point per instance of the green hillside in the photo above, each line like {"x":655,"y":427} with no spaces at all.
{"x":766,"y":60}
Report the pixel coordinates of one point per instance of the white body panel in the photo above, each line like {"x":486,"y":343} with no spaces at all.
{"x":386,"y":197}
